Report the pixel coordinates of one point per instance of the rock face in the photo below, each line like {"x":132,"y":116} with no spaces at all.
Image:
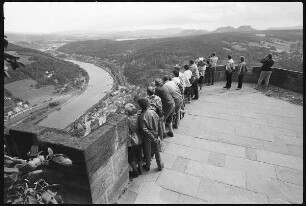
{"x":245,"y":28}
{"x":224,"y":29}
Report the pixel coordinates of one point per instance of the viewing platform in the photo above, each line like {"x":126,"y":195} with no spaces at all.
{"x":232,"y":146}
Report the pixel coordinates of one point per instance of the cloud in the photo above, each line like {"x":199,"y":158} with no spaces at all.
{"x":102,"y":16}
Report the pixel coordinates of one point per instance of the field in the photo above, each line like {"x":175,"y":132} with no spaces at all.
{"x":23,"y":90}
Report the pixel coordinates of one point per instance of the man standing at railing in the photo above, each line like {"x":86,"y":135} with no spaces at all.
{"x":266,"y":71}
{"x":229,"y":71}
{"x":213,"y":64}
{"x":195,"y":73}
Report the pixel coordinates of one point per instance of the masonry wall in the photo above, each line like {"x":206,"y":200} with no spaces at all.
{"x":100,"y":169}
{"x":287,"y":79}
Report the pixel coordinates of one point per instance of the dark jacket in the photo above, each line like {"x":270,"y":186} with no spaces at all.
{"x":267,"y":64}
{"x":148,"y":123}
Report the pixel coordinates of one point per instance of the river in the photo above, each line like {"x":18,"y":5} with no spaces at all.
{"x":100,"y":82}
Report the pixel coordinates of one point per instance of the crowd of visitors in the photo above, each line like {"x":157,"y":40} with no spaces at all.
{"x":150,"y":117}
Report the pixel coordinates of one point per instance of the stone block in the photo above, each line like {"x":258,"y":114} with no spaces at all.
{"x":274,"y":188}
{"x":179,"y":182}
{"x":219,"y":193}
{"x":179,"y":164}
{"x":219,"y":174}
{"x":128,"y":197}
{"x":219,"y":147}
{"x":115,"y":190}
{"x":168,"y":196}
{"x":181,"y":139}
{"x":216,"y":159}
{"x":120,"y":161}
{"x":250,"y":153}
{"x":289,"y":175}
{"x":100,"y":181}
{"x":101,"y":149}
{"x":280,"y":159}
{"x":187,"y":152}
{"x":185,"y":199}
{"x":250,"y":166}
{"x":121,"y":127}
{"x":168,"y":159}
{"x":241,"y":141}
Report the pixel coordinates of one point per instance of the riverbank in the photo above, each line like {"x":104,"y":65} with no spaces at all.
{"x":100,"y":83}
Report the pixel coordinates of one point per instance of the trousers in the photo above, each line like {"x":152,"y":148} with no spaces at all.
{"x":240,"y":79}
{"x":228,"y":76}
{"x":150,"y":148}
{"x":264,"y":75}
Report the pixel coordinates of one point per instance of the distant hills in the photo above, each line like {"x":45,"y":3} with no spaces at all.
{"x":232,"y":29}
{"x":136,"y":34}
{"x":286,"y":28}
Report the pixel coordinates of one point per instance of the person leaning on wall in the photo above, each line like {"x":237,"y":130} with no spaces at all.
{"x":135,"y":140}
{"x":266,"y":71}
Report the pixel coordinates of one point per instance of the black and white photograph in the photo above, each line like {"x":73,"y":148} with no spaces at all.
{"x":153,"y":102}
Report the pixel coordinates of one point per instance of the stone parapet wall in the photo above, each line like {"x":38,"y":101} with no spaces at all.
{"x":100,"y":169}
{"x":287,"y":79}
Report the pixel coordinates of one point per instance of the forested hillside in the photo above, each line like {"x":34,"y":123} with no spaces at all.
{"x":145,"y":59}
{"x":37,"y":63}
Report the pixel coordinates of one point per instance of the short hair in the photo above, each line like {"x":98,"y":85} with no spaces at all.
{"x":159,"y":82}
{"x":176,"y":73}
{"x":242,"y":58}
{"x":186,"y":67}
{"x":213,"y":54}
{"x":270,"y":56}
{"x":143,"y":103}
{"x":229,"y":56}
{"x":130,"y":109}
{"x":177,"y":67}
{"x":191,"y":61}
{"x":150,"y":90}
{"x":136,"y":97}
{"x":165,"y":78}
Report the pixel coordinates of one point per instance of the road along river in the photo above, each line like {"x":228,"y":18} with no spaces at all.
{"x":100,"y":83}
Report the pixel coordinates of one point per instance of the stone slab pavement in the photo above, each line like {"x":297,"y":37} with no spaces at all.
{"x":232,"y":146}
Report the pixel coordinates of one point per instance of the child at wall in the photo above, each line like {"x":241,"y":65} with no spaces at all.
{"x":134,"y":142}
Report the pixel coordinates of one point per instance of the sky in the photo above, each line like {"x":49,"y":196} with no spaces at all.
{"x":100,"y":17}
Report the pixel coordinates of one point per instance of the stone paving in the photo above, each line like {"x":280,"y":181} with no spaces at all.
{"x":233,"y":146}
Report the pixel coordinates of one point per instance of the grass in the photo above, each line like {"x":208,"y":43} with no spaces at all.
{"x":284,"y":94}
{"x":23,"y":90}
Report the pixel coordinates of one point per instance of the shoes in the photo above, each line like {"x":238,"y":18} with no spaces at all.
{"x":227,"y":87}
{"x":139,"y":169}
{"x":133,"y":174}
{"x":165,"y":135}
{"x":170,"y":134}
{"x":161,"y":167}
{"x":195,"y":98}
{"x":145,"y":167}
{"x":256,"y":88}
{"x":188,"y":101}
{"x":238,"y":88}
{"x":212,"y":84}
{"x":175,"y":127}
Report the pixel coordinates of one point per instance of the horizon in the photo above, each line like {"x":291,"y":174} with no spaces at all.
{"x":110,"y":17}
{"x":111,"y":32}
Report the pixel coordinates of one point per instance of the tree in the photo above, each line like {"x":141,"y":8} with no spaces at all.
{"x":11,"y":59}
